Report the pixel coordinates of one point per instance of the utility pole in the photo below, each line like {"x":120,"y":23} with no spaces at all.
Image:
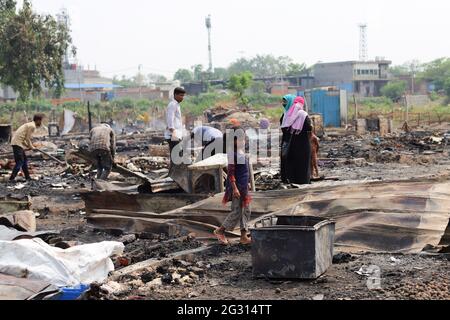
{"x":89,"y":115}
{"x":140,"y":80}
{"x":412,"y":69}
{"x":209,"y":26}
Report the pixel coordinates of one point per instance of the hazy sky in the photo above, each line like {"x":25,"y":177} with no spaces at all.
{"x":117,"y":35}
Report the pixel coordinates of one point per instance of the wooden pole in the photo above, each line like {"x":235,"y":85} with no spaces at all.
{"x":407,"y":108}
{"x":89,"y":115}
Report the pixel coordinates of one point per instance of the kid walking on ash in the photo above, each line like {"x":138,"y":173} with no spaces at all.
{"x":237,"y":189}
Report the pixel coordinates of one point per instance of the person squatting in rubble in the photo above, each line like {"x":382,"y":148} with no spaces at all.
{"x":315,"y":146}
{"x":174,"y":130}
{"x":211,"y":140}
{"x":237,"y":187}
{"x":296,"y":142}
{"x":103,"y":149}
{"x":21,"y":142}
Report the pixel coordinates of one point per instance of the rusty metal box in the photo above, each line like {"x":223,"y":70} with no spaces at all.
{"x":292,"y":247}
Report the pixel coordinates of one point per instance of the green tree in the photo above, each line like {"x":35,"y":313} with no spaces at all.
{"x":152,"y":77}
{"x":394,"y":90}
{"x":412,"y":67}
{"x":258,"y":88}
{"x":198,"y":72}
{"x":32,"y":48}
{"x":7,"y":10}
{"x":124,"y":82}
{"x":239,"y":83}
{"x":239,"y":66}
{"x":399,"y":70}
{"x":296,"y":69}
{"x":437,"y":71}
{"x":183,"y":75}
{"x":447,"y":87}
{"x":220,"y":74}
{"x":267,"y":66}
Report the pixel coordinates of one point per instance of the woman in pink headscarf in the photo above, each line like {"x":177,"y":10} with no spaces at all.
{"x":296,"y":143}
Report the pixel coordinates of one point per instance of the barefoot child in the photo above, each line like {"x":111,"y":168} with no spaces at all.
{"x":315,"y":145}
{"x":237,"y":191}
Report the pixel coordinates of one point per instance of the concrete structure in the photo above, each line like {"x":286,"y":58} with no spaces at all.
{"x":363,"y":78}
{"x":139,"y":93}
{"x":417,"y":100}
{"x":279,"y":88}
{"x":197,"y":88}
{"x":7,"y":94}
{"x":86,"y":85}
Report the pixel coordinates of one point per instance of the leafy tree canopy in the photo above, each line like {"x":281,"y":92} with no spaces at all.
{"x":260,"y":66}
{"x":152,"y":78}
{"x":407,"y":68}
{"x":437,"y":71}
{"x":124,"y":82}
{"x":183,"y":75}
{"x":32,"y":47}
{"x":267,"y":66}
{"x":447,"y":87}
{"x":239,"y":83}
{"x":394,"y":90}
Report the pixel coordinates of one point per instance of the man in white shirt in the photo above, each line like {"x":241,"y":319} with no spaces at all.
{"x":174,"y":130}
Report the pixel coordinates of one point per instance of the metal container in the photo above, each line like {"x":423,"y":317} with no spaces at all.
{"x":5,"y":132}
{"x":292,"y":247}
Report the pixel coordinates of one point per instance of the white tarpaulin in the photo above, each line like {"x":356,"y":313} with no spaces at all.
{"x":36,"y":260}
{"x":69,"y":121}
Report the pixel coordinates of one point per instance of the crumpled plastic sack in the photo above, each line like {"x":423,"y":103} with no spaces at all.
{"x":34,"y":259}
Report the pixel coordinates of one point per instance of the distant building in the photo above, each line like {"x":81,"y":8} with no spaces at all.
{"x":7,"y":94}
{"x":140,"y":93}
{"x":86,"y":85}
{"x":363,"y":78}
{"x":197,"y":88}
{"x":279,"y":88}
{"x":303,"y":82}
{"x":155,"y":91}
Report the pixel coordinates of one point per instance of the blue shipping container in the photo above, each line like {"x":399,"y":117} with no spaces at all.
{"x":327,"y":103}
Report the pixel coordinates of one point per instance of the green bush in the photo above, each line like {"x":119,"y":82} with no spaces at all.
{"x":263,"y":100}
{"x":394,"y":90}
{"x":126,"y":103}
{"x":434,"y":96}
{"x":197,"y":105}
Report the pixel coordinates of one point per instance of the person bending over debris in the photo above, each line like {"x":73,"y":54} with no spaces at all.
{"x":103,"y":149}
{"x":237,"y":190}
{"x":20,"y":142}
{"x":315,"y":145}
{"x":174,"y":131}
{"x":211,"y":138}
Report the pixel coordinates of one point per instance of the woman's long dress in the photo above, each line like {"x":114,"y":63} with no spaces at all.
{"x":296,"y":165}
